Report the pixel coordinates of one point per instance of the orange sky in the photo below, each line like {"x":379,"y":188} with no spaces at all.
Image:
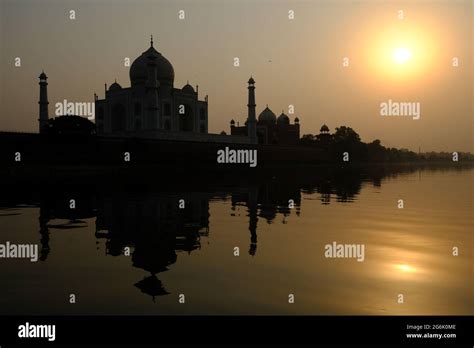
{"x":295,"y":61}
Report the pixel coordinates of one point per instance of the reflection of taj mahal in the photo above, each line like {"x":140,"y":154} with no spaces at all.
{"x":151,"y":103}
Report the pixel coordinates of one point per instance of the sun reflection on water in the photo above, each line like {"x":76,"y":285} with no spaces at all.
{"x":405,"y":268}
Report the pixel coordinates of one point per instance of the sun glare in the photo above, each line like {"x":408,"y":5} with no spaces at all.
{"x":401,"y":55}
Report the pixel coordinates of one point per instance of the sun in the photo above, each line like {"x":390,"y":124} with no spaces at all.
{"x":401,"y":55}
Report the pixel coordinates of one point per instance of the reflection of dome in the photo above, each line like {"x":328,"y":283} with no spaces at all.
{"x":283,"y":119}
{"x":188,"y":88}
{"x":115,"y":87}
{"x":152,"y":286}
{"x":267,"y":115}
{"x":324,"y":129}
{"x":139,"y":69}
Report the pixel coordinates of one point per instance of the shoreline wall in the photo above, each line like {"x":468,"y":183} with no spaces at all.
{"x":78,"y":150}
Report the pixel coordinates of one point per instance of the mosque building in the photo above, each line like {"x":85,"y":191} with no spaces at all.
{"x":268,"y":129}
{"x":151,"y":104}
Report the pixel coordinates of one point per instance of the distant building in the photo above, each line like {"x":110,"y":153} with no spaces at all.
{"x":324,"y":136}
{"x":268,"y":129}
{"x":151,"y":103}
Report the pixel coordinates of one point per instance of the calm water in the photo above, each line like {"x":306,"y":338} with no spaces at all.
{"x":191,"y":251}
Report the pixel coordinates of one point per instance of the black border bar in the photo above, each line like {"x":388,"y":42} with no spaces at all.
{"x":140,"y":330}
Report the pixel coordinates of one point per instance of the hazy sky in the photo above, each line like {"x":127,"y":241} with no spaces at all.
{"x":295,"y":61}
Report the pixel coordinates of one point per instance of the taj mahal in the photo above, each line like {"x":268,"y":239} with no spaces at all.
{"x":153,"y":108}
{"x":152,"y":102}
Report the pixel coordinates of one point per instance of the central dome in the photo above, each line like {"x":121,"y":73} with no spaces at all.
{"x":139,"y":68}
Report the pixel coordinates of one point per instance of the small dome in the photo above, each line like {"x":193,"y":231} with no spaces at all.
{"x":115,"y":87}
{"x":232,"y":122}
{"x":42,"y":76}
{"x":188,"y":88}
{"x":251,"y":80}
{"x":324,"y":129}
{"x":267,"y":115}
{"x":139,"y":68}
{"x":283,"y":119}
{"x":297,"y":120}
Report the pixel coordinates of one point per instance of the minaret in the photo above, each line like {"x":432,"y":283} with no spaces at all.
{"x":152,"y":85}
{"x":43,"y":103}
{"x":251,"y":119}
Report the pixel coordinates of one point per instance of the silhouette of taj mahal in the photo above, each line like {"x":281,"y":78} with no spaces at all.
{"x":153,"y":108}
{"x":151,"y":102}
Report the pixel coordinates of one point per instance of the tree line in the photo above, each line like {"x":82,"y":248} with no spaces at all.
{"x":345,"y":139}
